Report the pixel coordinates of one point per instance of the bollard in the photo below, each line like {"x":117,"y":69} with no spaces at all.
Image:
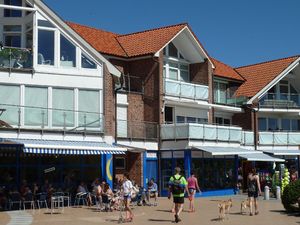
{"x":278,"y":192}
{"x":267,"y":193}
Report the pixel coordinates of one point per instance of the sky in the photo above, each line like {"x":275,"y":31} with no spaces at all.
{"x":236,"y":32}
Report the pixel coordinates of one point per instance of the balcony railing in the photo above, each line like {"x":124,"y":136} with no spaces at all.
{"x":186,"y":90}
{"x":279,"y":138}
{"x":248,"y":138}
{"x":15,"y":58}
{"x":282,"y":100}
{"x":201,"y":131}
{"x":137,"y":130}
{"x":238,"y":101}
{"x":38,"y":118}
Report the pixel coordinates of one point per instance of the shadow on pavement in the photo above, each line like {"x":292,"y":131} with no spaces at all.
{"x":283,"y":212}
{"x":160,"y":220}
{"x":163,"y":210}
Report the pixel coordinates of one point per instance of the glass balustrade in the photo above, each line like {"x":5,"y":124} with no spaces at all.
{"x":279,"y":138}
{"x":186,"y":90}
{"x":14,"y":116}
{"x":282,"y":100}
{"x":137,"y":129}
{"x":15,"y":58}
{"x":201,"y":132}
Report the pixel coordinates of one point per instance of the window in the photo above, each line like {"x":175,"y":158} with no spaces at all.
{"x":202,"y":120}
{"x":220,"y":92}
{"x":87,"y":63}
{"x":10,"y":100}
{"x":172,"y":50}
{"x":12,"y":35}
{"x":295,"y":125}
{"x":285,"y":124}
{"x":272,"y":124}
{"x":262,"y":124}
{"x":45,"y":47}
{"x":12,"y":12}
{"x":120,"y":163}
{"x":169,"y":114}
{"x":36,"y":104}
{"x":67,"y":53}
{"x":89,"y":108}
{"x":222,"y":121}
{"x":63,"y":107}
{"x":191,"y":120}
{"x":180,"y":119}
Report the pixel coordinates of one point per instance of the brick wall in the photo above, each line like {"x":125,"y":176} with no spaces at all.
{"x":244,"y":120}
{"x":199,"y":73}
{"x":109,"y":103}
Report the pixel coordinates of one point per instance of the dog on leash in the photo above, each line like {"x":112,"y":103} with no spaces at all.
{"x":224,"y":209}
{"x":244,"y":205}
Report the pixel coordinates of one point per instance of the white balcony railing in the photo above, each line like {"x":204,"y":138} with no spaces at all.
{"x":248,"y":138}
{"x":201,"y":131}
{"x":186,"y":90}
{"x":279,"y":138}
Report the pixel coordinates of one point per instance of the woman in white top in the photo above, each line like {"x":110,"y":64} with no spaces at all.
{"x":127,"y":188}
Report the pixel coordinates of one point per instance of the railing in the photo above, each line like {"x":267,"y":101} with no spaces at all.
{"x":238,"y":101}
{"x":282,"y":100}
{"x":16,"y":116}
{"x":137,"y":130}
{"x":247,"y":138}
{"x":185,"y":90}
{"x":279,"y":138}
{"x":15,"y":58}
{"x":201,"y":131}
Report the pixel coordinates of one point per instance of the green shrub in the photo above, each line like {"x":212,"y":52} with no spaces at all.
{"x":290,"y":196}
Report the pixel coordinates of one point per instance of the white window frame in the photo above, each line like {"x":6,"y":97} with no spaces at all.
{"x":217,"y":89}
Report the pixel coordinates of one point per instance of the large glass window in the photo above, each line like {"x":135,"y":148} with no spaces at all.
{"x":89,"y":108}
{"x":10,"y":101}
{"x":166,"y":172}
{"x":273,"y":124}
{"x":87,"y":63}
{"x":36,"y":104}
{"x":262,"y":124}
{"x":67,"y":53}
{"x":12,"y":12}
{"x":63,"y":107}
{"x":46,"y":47}
{"x":12,"y":35}
{"x":286,"y":124}
{"x":220,"y":92}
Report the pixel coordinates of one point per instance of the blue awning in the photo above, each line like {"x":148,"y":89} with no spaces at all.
{"x":59,"y":147}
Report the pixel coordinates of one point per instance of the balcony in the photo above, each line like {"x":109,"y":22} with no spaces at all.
{"x":137,"y":130}
{"x":204,"y":132}
{"x":15,"y":58}
{"x":279,"y":138}
{"x":236,"y":102}
{"x":186,"y":90}
{"x":37,"y":118}
{"x":247,"y":138}
{"x":282,"y":100}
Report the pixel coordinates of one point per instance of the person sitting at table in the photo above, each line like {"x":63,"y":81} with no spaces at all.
{"x":152,"y":191}
{"x":83,"y":189}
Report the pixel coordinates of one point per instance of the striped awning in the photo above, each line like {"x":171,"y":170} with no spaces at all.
{"x":58,"y":147}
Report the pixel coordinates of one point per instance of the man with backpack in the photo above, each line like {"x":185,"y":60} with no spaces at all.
{"x":177,"y":187}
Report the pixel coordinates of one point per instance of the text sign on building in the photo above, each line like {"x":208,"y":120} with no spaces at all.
{"x":151,"y":155}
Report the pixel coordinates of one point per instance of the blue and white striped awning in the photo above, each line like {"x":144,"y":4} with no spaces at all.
{"x":59,"y":147}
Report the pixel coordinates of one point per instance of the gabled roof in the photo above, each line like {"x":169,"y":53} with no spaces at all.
{"x":260,"y":75}
{"x":226,"y":71}
{"x":133,"y":44}
{"x":149,"y":41}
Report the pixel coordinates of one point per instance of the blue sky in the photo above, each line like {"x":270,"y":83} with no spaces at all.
{"x":237,"y":32}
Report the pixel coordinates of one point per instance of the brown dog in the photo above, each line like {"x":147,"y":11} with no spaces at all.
{"x":224,"y":209}
{"x":244,"y":205}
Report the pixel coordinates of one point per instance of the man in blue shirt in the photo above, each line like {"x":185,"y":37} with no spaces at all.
{"x":152,"y":191}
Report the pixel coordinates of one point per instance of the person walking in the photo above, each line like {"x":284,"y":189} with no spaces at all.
{"x":127,"y":189}
{"x":253,"y":190}
{"x":177,"y":187}
{"x":192,"y":186}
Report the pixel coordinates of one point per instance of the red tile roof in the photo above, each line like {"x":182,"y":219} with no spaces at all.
{"x":223,"y":70}
{"x":103,"y":41}
{"x":128,"y":45}
{"x":259,"y":75}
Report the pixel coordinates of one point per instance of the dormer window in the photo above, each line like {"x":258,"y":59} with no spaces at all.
{"x":11,"y":12}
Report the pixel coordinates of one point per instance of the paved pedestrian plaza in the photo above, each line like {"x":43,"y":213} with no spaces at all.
{"x":271,"y":213}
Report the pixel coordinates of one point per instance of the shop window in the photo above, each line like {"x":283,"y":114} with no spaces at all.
{"x":45,"y":47}
{"x":36,"y":104}
{"x":87,"y":63}
{"x":67,"y":53}
{"x":13,"y":12}
{"x":89,"y":108}
{"x":120,"y":163}
{"x":63,"y":107}
{"x":166,"y":172}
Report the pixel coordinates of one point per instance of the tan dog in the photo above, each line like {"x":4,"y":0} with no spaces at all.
{"x":244,"y":205}
{"x":224,"y":209}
